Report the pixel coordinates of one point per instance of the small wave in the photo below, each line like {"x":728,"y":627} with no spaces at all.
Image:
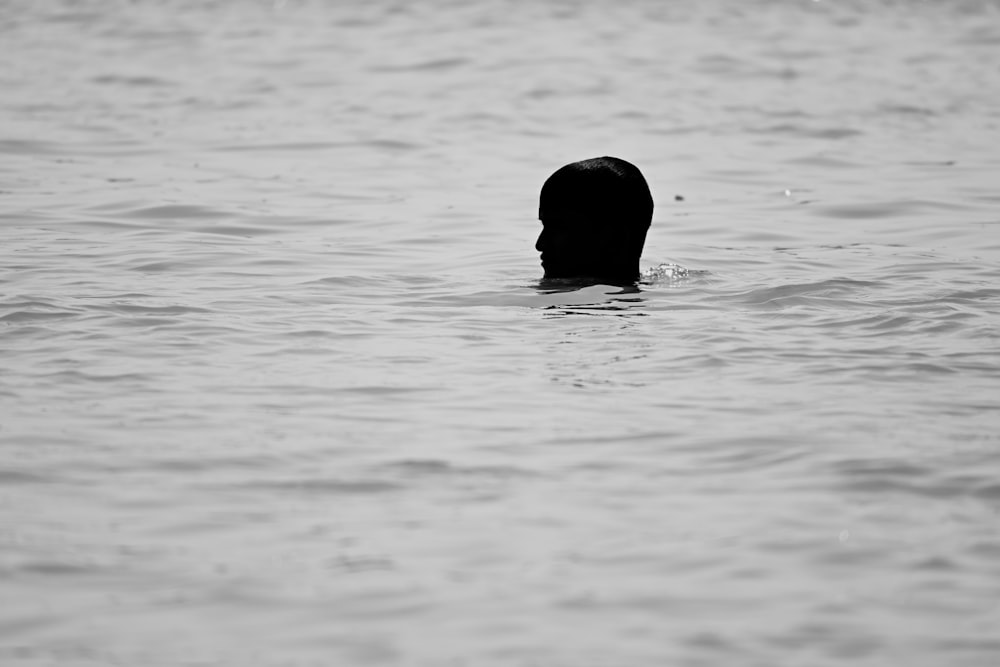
{"x":23,"y":477}
{"x":973,"y":296}
{"x":131,"y":81}
{"x":885,"y":476}
{"x":35,"y":310}
{"x":383,"y":144}
{"x":241,"y":231}
{"x":140,"y":309}
{"x":319,"y":485}
{"x":799,"y":293}
{"x":164,"y":267}
{"x":174,"y":211}
{"x":438,"y":65}
{"x":806,"y":132}
{"x":822,"y":160}
{"x":665,"y":273}
{"x":885,"y":209}
{"x":905,"y":110}
{"x":23,"y":316}
{"x":204,"y":464}
{"x":54,"y":568}
{"x":73,"y":376}
{"x":28,"y":147}
{"x":422,"y":468}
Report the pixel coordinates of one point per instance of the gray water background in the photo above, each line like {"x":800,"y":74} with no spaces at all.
{"x":278,"y":385}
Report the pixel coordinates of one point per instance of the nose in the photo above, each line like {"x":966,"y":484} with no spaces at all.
{"x":540,"y":243}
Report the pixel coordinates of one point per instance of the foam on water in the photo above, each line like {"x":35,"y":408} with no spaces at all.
{"x":280,"y":383}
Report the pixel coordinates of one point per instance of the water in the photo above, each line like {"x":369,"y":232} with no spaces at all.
{"x":278,"y":384}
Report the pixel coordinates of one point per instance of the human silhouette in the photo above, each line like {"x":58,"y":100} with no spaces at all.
{"x":595,"y":214}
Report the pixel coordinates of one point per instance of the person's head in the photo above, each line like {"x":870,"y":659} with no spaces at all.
{"x":594,"y":215}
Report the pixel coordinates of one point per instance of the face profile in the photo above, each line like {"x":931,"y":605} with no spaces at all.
{"x":594,"y":214}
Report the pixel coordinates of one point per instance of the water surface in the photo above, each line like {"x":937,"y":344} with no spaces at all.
{"x":279,"y":386}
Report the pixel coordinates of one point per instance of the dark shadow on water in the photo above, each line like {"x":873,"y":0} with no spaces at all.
{"x":562,"y":285}
{"x":584,"y":296}
{"x":661,"y":274}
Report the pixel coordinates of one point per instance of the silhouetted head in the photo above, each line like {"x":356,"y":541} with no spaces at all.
{"x":594,"y":215}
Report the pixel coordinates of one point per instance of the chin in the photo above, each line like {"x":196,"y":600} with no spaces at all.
{"x":557,"y":270}
{"x":579,"y":271}
{"x":565,"y":273}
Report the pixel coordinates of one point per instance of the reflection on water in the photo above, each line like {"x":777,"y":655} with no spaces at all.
{"x":281,"y":383}
{"x":583,"y":296}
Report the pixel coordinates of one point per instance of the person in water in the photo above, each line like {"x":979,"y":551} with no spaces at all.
{"x":595,"y":214}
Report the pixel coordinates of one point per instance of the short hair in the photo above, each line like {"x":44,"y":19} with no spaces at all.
{"x":596,"y":190}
